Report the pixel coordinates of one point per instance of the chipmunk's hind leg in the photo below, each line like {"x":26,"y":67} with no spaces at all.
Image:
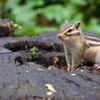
{"x":97,"y":60}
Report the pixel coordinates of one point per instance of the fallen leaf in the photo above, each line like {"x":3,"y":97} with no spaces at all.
{"x":64,"y":68}
{"x":50,"y":87}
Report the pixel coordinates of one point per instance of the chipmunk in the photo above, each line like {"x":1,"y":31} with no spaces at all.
{"x":78,"y":47}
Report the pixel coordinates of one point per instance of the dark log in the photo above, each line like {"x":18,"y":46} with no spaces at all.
{"x":47,"y":42}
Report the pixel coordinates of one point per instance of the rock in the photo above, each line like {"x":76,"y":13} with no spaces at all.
{"x":21,"y":79}
{"x":28,"y":81}
{"x":4,"y":50}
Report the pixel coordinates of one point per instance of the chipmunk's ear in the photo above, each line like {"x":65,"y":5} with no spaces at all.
{"x":77,"y":25}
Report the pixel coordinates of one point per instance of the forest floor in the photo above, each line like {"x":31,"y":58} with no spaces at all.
{"x":34,"y":68}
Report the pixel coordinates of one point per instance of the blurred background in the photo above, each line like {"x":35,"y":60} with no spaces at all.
{"x":35,"y":16}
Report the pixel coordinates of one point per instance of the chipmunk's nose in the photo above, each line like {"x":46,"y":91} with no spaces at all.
{"x":59,"y":36}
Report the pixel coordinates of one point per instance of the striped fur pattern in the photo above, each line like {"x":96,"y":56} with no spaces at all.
{"x":93,"y":41}
{"x":78,"y":46}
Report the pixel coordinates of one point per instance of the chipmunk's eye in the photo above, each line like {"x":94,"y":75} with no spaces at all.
{"x":69,"y":30}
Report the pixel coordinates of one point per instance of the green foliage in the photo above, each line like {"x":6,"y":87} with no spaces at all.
{"x":34,"y":51}
{"x":35,"y":16}
{"x":34,"y":55}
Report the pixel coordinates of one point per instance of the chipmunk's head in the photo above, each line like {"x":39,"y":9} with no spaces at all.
{"x":69,"y":29}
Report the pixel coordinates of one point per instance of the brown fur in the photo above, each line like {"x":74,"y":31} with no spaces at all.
{"x":78,"y":46}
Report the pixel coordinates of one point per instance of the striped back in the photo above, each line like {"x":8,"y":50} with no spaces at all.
{"x":92,"y":41}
